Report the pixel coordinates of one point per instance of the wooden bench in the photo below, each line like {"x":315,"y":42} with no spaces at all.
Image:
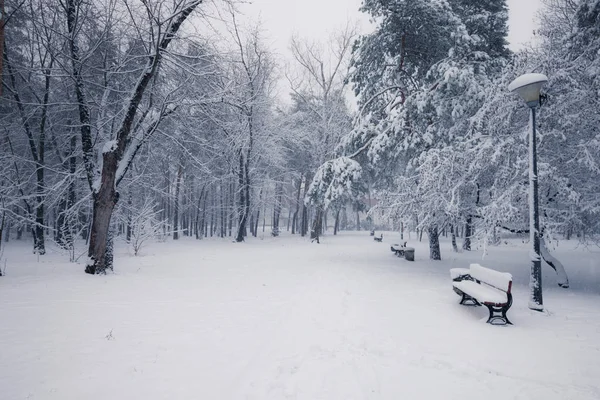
{"x":483,"y":286}
{"x":378,"y":239}
{"x":401,"y":250}
{"x":398,"y":249}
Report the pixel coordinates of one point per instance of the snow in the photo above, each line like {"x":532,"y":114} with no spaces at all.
{"x":283,"y":318}
{"x":457,"y":272}
{"x":494,"y":278}
{"x":482,"y":292}
{"x":109,"y":145}
{"x":526,"y":79}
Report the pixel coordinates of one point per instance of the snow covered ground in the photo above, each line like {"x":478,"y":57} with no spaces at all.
{"x":286,"y":319}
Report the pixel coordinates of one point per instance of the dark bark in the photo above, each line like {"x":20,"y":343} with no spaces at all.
{"x":277,"y":209}
{"x":104,"y":201}
{"x":304,"y":221}
{"x":203,"y":225}
{"x":434,"y":243}
{"x":176,"y":203}
{"x":317,"y":225}
{"x":453,"y":233}
{"x":295,"y":216}
{"x":129,"y":219}
{"x":212,"y":213}
{"x":252,"y":228}
{"x":223,"y":221}
{"x":256,"y":223}
{"x":231,"y":207}
{"x":468,"y":233}
{"x":242,"y":216}
{"x":336,"y":225}
{"x":198,"y":230}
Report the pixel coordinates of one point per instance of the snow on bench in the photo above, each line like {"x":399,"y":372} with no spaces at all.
{"x":402,"y":251}
{"x":484,"y":286}
{"x":398,"y":249}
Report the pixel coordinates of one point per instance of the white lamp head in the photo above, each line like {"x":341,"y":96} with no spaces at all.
{"x":528,"y":86}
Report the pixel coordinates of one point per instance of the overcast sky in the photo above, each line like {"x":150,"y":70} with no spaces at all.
{"x":317,"y":18}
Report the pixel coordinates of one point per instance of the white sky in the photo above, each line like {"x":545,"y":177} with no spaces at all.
{"x":316,"y":19}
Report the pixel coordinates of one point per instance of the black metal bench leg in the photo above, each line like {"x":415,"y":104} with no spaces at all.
{"x":495,"y":317}
{"x":472,"y":301}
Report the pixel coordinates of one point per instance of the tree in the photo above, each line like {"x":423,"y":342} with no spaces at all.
{"x":135,"y":125}
{"x":318,"y":94}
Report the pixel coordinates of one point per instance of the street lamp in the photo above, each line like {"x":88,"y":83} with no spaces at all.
{"x":528,"y":86}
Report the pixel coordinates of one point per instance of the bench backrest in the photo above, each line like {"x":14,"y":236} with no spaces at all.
{"x":499,"y":280}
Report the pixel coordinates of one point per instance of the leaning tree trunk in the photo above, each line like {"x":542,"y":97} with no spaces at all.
{"x":434,"y":243}
{"x":563,"y":279}
{"x":257,"y":221}
{"x":105,"y":200}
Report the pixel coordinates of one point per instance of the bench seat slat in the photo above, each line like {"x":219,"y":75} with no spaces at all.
{"x":483,"y":293}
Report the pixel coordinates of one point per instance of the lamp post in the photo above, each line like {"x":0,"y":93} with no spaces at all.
{"x":528,"y":86}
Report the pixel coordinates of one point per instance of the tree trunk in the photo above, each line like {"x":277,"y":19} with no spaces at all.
{"x":212,"y":213}
{"x":176,"y":205}
{"x":453,"y":233}
{"x":434,"y":243}
{"x":295,"y":216}
{"x":223,"y":202}
{"x":277,"y":209}
{"x":357,"y":221}
{"x":402,"y":230}
{"x":104,"y":203}
{"x":204,"y":222}
{"x":231,"y":206}
{"x":317,"y":225}
{"x":243,"y":217}
{"x":563,"y":279}
{"x":129,"y":219}
{"x":336,"y":225}
{"x":468,"y":233}
{"x":198,"y":228}
{"x":256,"y":223}
{"x":252,"y":223}
{"x":304,"y":221}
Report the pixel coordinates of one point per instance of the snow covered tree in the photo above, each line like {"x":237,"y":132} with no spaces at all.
{"x":408,"y":125}
{"x":106,"y":167}
{"x":319,"y":100}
